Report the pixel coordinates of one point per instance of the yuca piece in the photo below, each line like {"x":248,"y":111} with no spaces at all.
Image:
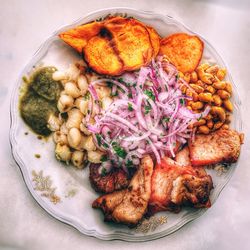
{"x":101,"y":56}
{"x":221,"y":146}
{"x":131,"y":40}
{"x":183,"y":51}
{"x":79,"y":36}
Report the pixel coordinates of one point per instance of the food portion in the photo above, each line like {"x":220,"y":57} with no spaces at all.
{"x":129,"y":205}
{"x":175,"y":185}
{"x":141,"y":112}
{"x":38,"y":102}
{"x":182,"y":50}
{"x":222,"y":146}
{"x":114,"y":45}
{"x":108,"y":182}
{"x":207,"y":87}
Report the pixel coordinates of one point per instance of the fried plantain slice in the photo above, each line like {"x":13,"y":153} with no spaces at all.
{"x":101,"y":56}
{"x":131,"y":40}
{"x":182,"y":50}
{"x":78,"y":37}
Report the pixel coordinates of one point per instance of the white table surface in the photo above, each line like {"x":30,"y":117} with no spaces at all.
{"x":24,"y":25}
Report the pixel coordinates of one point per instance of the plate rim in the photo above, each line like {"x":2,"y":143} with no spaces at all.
{"x":93,"y":233}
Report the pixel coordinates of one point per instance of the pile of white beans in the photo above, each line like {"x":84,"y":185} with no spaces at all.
{"x":74,"y":143}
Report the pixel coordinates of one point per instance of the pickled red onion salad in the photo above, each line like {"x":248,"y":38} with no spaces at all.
{"x":147,"y":116}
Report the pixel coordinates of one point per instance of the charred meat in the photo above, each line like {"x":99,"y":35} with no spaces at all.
{"x":129,"y":205}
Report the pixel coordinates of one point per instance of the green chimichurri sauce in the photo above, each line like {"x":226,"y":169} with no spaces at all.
{"x":39,"y":100}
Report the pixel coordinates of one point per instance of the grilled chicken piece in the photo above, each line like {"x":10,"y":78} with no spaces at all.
{"x":117,"y":179}
{"x":182,"y":157}
{"x":129,"y":205}
{"x":174,"y":185}
{"x":217,"y":147}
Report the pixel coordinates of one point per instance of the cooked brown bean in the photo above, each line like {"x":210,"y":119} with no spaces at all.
{"x":221,"y":74}
{"x":193,"y":77}
{"x":205,"y":97}
{"x":203,"y":129}
{"x":210,"y":89}
{"x":223,"y":94}
{"x":196,"y":88}
{"x":219,"y":85}
{"x":196,"y":105}
{"x":228,"y":105}
{"x":217,"y":100}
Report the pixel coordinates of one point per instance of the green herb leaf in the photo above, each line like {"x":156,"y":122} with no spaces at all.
{"x":182,"y":101}
{"x":99,"y":139}
{"x":130,"y":108}
{"x":150,"y":94}
{"x":129,"y":164}
{"x":166,"y":119}
{"x":130,"y":95}
{"x":147,"y":109}
{"x":114,"y":94}
{"x":110,"y":84}
{"x":104,"y":158}
{"x":119,"y":150}
{"x":104,"y":171}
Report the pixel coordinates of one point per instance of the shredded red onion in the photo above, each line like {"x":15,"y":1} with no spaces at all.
{"x":148,"y":115}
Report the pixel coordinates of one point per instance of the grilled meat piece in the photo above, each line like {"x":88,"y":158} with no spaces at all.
{"x":129,"y":205}
{"x":221,"y":146}
{"x":182,"y":157}
{"x":174,"y":185}
{"x":117,"y":179}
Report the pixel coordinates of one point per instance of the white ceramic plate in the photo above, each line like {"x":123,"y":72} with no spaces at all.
{"x":72,"y":186}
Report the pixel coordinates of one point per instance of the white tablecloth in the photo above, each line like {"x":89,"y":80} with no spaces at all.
{"x":24,"y":25}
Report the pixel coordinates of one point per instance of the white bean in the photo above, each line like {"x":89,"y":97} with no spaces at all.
{"x":82,"y":104}
{"x":95,"y":156}
{"x":54,"y":123}
{"x":77,"y":159}
{"x":74,"y":118}
{"x":106,"y":101}
{"x":74,"y":137}
{"x":59,"y":75}
{"x":72,"y":90}
{"x":73,"y":72}
{"x":82,"y":83}
{"x":65,"y":103}
{"x":89,"y":144}
{"x":63,"y":153}
{"x":59,"y":137}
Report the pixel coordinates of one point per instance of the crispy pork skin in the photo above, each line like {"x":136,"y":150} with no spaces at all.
{"x":221,"y":146}
{"x":175,"y":185}
{"x":182,"y":157}
{"x":117,"y":179}
{"x":129,"y":205}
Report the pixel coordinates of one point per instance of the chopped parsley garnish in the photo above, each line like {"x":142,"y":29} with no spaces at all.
{"x":177,"y":76}
{"x":130,"y":107}
{"x":104,"y":158}
{"x":130,"y":95}
{"x":129,"y":164}
{"x":119,"y":150}
{"x":166,"y":119}
{"x":86,"y":97}
{"x":99,"y":139}
{"x":147,"y":109}
{"x":182,"y":101}
{"x":199,"y":118}
{"x":110,"y":84}
{"x":150,"y":94}
{"x":103,"y":171}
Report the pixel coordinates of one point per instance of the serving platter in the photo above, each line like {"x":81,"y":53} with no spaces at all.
{"x":64,"y":191}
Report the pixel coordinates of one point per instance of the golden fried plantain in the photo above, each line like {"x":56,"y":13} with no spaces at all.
{"x":155,"y":40}
{"x":101,"y":56}
{"x":79,"y":36}
{"x":182,"y":50}
{"x":131,"y":40}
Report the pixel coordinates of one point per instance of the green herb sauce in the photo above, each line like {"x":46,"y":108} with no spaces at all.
{"x":39,"y":100}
